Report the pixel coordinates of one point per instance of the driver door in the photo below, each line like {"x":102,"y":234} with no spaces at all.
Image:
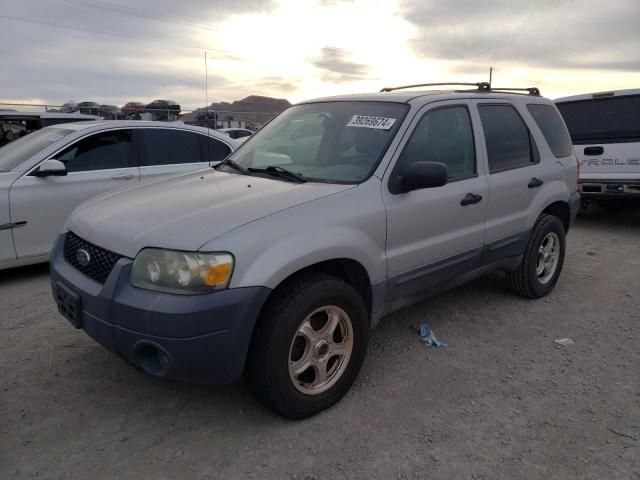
{"x":95,"y":164}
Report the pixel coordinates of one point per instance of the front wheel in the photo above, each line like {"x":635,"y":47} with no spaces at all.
{"x":542,"y":261}
{"x":308,"y":346}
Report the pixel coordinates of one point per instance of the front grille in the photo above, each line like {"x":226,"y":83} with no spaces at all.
{"x":99,"y":262}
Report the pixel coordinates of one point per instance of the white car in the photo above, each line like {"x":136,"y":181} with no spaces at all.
{"x":46,"y":174}
{"x":237,"y":133}
{"x":605,"y":130}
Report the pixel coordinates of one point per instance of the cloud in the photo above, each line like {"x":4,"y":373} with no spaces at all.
{"x":278,"y":84}
{"x":58,"y":64}
{"x":332,"y":3}
{"x":337,"y":66}
{"x":547,"y":33}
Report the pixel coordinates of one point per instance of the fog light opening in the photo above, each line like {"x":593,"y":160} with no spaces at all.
{"x":152,"y":359}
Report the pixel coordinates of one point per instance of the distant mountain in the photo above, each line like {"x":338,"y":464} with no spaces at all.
{"x":253,"y":103}
{"x":252,"y":109}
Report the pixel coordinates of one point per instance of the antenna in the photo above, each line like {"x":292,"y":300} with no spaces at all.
{"x":490,"y":76}
{"x":206,"y":95}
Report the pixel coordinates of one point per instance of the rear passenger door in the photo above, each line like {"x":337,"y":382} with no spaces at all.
{"x":517,"y":175}
{"x":170,"y":151}
{"x":434,"y":234}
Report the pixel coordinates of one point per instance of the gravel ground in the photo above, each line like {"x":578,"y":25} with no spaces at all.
{"x":503,"y":401}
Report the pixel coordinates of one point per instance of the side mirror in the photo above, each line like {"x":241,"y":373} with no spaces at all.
{"x":51,"y":168}
{"x":425,"y":175}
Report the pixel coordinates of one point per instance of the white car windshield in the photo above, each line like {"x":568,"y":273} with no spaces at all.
{"x":20,"y":150}
{"x":339,"y":142}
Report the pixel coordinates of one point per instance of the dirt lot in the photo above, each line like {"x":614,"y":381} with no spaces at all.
{"x":503,"y":401}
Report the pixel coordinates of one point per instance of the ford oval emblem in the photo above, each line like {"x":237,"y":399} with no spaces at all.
{"x":83,"y":258}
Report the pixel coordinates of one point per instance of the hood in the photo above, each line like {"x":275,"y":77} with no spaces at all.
{"x":185,"y":212}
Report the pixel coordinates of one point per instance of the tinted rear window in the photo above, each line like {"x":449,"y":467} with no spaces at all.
{"x":553,"y":129}
{"x":603,"y":120}
{"x":168,"y":147}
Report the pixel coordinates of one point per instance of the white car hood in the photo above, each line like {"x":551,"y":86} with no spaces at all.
{"x":185,"y":212}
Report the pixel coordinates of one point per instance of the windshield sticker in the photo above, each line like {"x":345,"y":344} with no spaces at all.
{"x":364,"y":121}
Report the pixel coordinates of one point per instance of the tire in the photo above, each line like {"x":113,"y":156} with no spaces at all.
{"x":527,"y":280}
{"x":277,"y":345}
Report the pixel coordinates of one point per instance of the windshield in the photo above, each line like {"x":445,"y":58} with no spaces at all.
{"x":16,"y":152}
{"x":339,"y":142}
{"x":603,"y":119}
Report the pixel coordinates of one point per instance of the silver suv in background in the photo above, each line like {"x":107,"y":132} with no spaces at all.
{"x":605,"y":130}
{"x":275,"y":265}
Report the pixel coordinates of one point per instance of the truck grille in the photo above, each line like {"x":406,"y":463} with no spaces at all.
{"x":93,"y":261}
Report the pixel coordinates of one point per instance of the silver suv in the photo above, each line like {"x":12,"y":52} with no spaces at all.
{"x":275,"y":265}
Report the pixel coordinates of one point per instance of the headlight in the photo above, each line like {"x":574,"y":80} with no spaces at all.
{"x":181,"y":272}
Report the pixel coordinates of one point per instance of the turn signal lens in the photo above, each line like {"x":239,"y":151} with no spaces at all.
{"x":218,"y":274}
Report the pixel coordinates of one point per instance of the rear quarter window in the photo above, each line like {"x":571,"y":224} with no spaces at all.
{"x":214,"y":149}
{"x":553,"y":129}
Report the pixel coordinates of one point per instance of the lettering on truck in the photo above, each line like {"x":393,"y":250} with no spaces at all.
{"x":604,"y":162}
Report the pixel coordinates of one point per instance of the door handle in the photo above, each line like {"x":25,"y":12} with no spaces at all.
{"x":535,"y":182}
{"x":470,"y":199}
{"x":123,"y":176}
{"x":8,"y":226}
{"x":593,"y":151}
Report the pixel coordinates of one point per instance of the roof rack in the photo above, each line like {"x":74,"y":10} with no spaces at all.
{"x":481,"y":87}
{"x":531,"y":90}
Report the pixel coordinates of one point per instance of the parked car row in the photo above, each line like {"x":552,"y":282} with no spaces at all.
{"x":160,"y":109}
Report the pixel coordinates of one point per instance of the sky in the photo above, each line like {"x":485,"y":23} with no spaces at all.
{"x":115,"y":51}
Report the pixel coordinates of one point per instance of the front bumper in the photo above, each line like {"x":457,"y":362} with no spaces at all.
{"x":193,"y":338}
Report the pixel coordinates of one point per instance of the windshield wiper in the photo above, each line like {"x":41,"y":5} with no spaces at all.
{"x":278,"y":171}
{"x":233,"y":164}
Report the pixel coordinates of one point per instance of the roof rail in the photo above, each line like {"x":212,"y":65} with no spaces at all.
{"x":531,"y":90}
{"x":480,"y":85}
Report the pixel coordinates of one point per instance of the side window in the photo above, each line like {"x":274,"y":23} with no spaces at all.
{"x":102,"y":151}
{"x":214,"y":150}
{"x":444,"y":135}
{"x":553,"y":128}
{"x":509,"y":143}
{"x":164,"y":146}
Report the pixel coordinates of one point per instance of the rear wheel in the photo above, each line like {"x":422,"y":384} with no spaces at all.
{"x":542,"y":262}
{"x":308,"y":346}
